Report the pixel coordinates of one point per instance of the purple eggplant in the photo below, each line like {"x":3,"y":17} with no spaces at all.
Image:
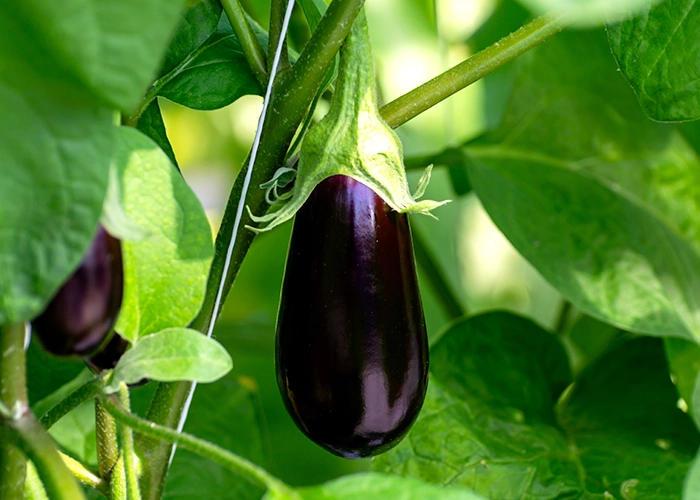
{"x":79,"y":318}
{"x":351,"y":348}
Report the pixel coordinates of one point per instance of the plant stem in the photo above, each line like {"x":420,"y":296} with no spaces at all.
{"x":479,"y":65}
{"x":27,"y":434}
{"x":13,"y":395}
{"x":246,"y":37}
{"x":117,"y":484}
{"x":436,"y":277}
{"x":83,"y":475}
{"x":84,"y":393}
{"x":293,"y":96}
{"x":127,"y":441}
{"x":106,"y":436}
{"x":236,"y":464}
{"x":277,"y":8}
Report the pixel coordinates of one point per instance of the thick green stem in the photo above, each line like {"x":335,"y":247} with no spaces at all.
{"x":13,"y":395}
{"x":277,"y":8}
{"x":82,"y":394}
{"x":106,"y":436}
{"x":127,"y":441}
{"x":234,"y":463}
{"x":436,"y":277}
{"x":482,"y":63}
{"x":293,"y":95}
{"x":27,"y":434}
{"x":250,"y":44}
{"x":117,"y":485}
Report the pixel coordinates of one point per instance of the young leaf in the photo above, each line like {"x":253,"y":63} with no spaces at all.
{"x":491,"y":421}
{"x":111,"y":48}
{"x":654,"y":53}
{"x":384,"y":487}
{"x":164,"y":273}
{"x":172,"y":354}
{"x":597,"y":197}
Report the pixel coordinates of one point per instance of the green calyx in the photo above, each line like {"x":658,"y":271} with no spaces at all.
{"x":353,"y":140}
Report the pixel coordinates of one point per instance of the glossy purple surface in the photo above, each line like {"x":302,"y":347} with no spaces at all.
{"x":84,"y":310}
{"x":352,"y":350}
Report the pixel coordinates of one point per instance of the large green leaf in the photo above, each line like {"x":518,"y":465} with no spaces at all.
{"x":54,"y":162}
{"x":657,"y":52}
{"x":384,"y":487}
{"x":151,"y":123}
{"x":172,"y":354}
{"x":590,"y":12}
{"x":490,"y":422}
{"x":224,"y":413}
{"x":691,"y":489}
{"x":602,"y":201}
{"x":164,"y":273}
{"x":112,"y":49}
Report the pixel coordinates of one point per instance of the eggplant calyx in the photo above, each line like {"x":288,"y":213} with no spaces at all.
{"x":353,"y":140}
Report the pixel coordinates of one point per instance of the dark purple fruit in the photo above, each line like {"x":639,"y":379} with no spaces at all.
{"x":82,"y":313}
{"x":108,"y":357}
{"x":351,"y":350}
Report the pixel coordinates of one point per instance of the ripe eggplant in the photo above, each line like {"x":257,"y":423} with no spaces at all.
{"x":351,"y":347}
{"x":81,"y":315}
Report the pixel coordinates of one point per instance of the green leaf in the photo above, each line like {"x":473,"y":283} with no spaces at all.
{"x":151,"y":123}
{"x":172,"y":354}
{"x":629,"y":434}
{"x":383,"y":487}
{"x":655,"y":53}
{"x":54,"y":155}
{"x":313,"y":11}
{"x":165,"y":273}
{"x":684,"y":363}
{"x":488,"y":422}
{"x":224,"y":413}
{"x":111,"y":48}
{"x":212,"y":76}
{"x":197,"y":23}
{"x":598,"y":198}
{"x":491,"y":421}
{"x":590,"y":12}
{"x":691,"y":488}
{"x":588,"y":340}
{"x":114,"y":217}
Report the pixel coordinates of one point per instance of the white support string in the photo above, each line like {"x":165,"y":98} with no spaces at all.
{"x":241,"y":203}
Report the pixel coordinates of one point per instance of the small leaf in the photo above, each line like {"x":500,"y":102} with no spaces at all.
{"x":423,"y":182}
{"x":172,"y":354}
{"x":654,"y":53}
{"x":384,"y":487}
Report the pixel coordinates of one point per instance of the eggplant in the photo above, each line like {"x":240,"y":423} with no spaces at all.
{"x":351,"y":346}
{"x":108,"y":357}
{"x":81,"y":315}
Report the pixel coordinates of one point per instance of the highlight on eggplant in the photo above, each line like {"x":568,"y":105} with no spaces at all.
{"x":81,"y":315}
{"x":351,"y":347}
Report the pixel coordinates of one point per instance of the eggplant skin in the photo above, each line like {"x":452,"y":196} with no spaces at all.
{"x":351,"y":346}
{"x":80,"y":317}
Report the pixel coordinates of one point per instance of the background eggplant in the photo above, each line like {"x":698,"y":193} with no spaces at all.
{"x":81,"y":315}
{"x":351,"y":348}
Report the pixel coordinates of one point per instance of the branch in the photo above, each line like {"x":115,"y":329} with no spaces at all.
{"x":250,"y":44}
{"x":479,"y":65}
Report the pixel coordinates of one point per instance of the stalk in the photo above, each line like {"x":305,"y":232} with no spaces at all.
{"x":13,"y":396}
